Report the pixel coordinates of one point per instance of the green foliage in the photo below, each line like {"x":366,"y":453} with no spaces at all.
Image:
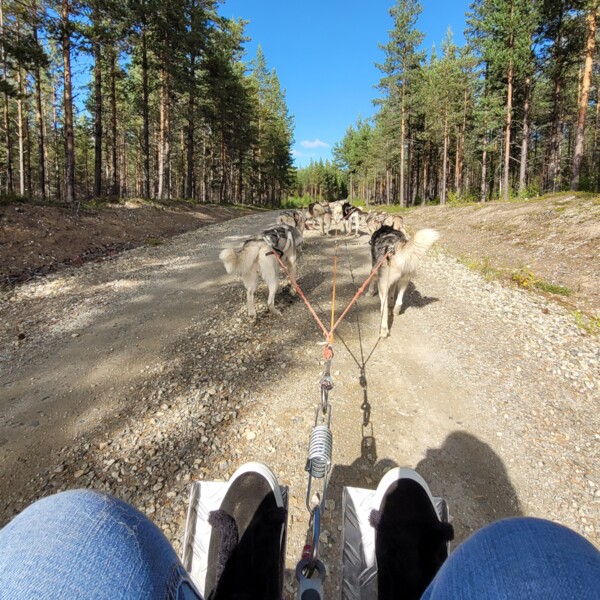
{"x":296,"y":201}
{"x":7,"y":198}
{"x":321,"y":181}
{"x":484,"y":267}
{"x":525,"y":278}
{"x":453,"y":199}
{"x":532,"y":190}
{"x":587,"y":323}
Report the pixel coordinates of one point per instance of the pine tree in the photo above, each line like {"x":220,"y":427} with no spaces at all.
{"x":502,"y":35}
{"x":402,"y":59}
{"x":591,"y":17}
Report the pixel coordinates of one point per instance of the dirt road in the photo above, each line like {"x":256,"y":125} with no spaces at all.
{"x":142,"y":373}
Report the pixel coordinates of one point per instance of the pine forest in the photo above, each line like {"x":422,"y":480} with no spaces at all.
{"x":513,"y":113}
{"x":173,"y":108}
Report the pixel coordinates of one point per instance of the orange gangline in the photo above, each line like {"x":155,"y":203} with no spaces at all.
{"x":360,"y":291}
{"x":329,"y":334}
{"x":312,"y":310}
{"x":333,"y":300}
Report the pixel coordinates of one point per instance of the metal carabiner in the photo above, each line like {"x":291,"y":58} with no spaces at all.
{"x":326,"y":386}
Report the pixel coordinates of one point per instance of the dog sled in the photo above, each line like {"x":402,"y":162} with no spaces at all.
{"x":359,"y":569}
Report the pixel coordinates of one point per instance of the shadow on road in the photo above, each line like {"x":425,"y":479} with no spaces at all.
{"x":474,"y":481}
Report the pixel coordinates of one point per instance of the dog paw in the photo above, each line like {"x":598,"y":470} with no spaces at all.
{"x":274,"y":311}
{"x":383,"y":333}
{"x":397,"y":310}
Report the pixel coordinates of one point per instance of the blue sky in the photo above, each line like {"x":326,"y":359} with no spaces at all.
{"x":324,"y":53}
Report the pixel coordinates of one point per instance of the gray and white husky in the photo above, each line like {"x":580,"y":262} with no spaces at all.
{"x":321,"y":213}
{"x":255,"y":260}
{"x":294,"y":218}
{"x":396,"y":272}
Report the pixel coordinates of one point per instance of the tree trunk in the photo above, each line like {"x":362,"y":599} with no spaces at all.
{"x":28,"y":187}
{"x":9,"y":168}
{"x":123,"y":187}
{"x":182,"y":175}
{"x":161,"y":140}
{"x":444,"y":162}
{"x":68,"y":105}
{"x":97,"y":108}
{"x":555,"y":132}
{"x":457,"y":165}
{"x":525,"y":140}
{"x":585,"y":90}
{"x":483,"y":193}
{"x":113,"y":107}
{"x":57,"y":180}
{"x":596,"y":127}
{"x":145,"y":113}
{"x":388,"y":185}
{"x":189,"y":181}
{"x":463,"y":137}
{"x":509,"y":94}
{"x":40,"y":124}
{"x":20,"y":131}
{"x":402,"y":135}
{"x":425,"y":165}
{"x":168,"y":184}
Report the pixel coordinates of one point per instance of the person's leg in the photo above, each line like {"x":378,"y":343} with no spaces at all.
{"x":84,"y":544}
{"x":520,"y":558}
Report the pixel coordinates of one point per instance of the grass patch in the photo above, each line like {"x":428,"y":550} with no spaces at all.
{"x":154,"y":242}
{"x":296,"y":201}
{"x":527,"y":279}
{"x":587,"y":323}
{"x":7,"y":198}
{"x":484,"y":267}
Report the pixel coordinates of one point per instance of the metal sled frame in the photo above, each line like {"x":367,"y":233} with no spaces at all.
{"x":359,"y":567}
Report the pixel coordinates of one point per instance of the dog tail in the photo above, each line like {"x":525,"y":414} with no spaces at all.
{"x":422,"y":241}
{"x":230,"y":259}
{"x":410,"y":254}
{"x":239,"y":261}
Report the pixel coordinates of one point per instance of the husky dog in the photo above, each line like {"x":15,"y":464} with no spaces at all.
{"x":375,"y":220}
{"x":321,"y":213}
{"x":395,"y":222}
{"x":353,"y":215}
{"x":255,"y":259}
{"x":400,"y":266}
{"x":294,"y":218}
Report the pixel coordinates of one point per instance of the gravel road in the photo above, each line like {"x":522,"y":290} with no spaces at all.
{"x":139,"y":374}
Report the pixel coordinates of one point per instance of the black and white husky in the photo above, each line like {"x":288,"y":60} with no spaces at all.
{"x":255,"y":259}
{"x":396,"y":272}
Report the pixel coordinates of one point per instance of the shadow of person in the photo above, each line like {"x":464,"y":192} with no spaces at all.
{"x":473,"y":480}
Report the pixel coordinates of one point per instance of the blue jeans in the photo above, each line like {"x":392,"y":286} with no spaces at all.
{"x":83,"y":544}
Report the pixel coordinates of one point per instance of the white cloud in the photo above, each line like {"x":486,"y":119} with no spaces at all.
{"x":299,"y":154}
{"x":317,"y":143}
